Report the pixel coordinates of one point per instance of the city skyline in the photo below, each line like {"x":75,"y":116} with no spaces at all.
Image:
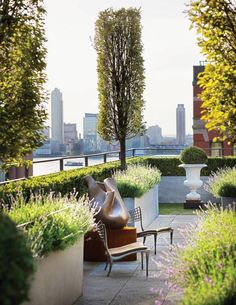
{"x":56,"y":95}
{"x":170,"y":51}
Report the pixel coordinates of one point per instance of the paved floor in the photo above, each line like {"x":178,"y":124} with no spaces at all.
{"x":127,"y":284}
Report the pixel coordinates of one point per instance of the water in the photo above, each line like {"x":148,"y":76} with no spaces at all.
{"x":54,"y":166}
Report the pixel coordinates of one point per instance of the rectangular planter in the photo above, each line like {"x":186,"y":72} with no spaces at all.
{"x":149,"y":205}
{"x":59,"y":277}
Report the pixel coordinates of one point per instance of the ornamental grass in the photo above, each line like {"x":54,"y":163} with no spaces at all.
{"x":136,"y":180}
{"x":204,"y":268}
{"x":51,"y":222}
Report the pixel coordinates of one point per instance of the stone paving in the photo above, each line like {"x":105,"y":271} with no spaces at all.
{"x":127,"y":284}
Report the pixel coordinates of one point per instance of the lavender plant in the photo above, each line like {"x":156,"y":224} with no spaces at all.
{"x":136,"y":180}
{"x":204,"y":268}
{"x":52,"y":222}
{"x":222,"y":183}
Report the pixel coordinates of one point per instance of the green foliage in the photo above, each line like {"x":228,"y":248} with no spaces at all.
{"x":206,"y":266}
{"x":65,"y":181}
{"x":193,"y":155}
{"x":120,"y":75}
{"x":136,"y":180}
{"x":22,"y":78}
{"x":174,"y":209}
{"x":223,"y":183}
{"x":215,"y":23}
{"x":16,"y":264}
{"x":52,"y":223}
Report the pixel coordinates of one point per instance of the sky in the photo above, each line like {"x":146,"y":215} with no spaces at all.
{"x":170,"y":51}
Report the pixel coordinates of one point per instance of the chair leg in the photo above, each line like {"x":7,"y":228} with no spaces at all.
{"x":155,"y":243}
{"x":106,"y":265}
{"x":110,"y":267}
{"x":142,"y":260}
{"x":171,"y":237}
{"x":144,"y":239}
{"x":147,"y":260}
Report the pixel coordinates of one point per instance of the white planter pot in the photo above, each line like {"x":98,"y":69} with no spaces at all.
{"x":59,"y":277}
{"x":193,"y":181}
{"x":149,"y":204}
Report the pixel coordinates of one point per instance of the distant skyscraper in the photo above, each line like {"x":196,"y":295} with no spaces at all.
{"x":70,"y":133}
{"x":57,"y":116}
{"x":180,"y":124}
{"x":154,"y":134}
{"x":90,"y":135}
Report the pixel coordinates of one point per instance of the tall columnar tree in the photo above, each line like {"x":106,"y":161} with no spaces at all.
{"x":22,"y":78}
{"x":120,"y":75}
{"x":215,"y":22}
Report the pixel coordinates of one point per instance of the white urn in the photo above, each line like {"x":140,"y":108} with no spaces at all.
{"x":193,"y":181}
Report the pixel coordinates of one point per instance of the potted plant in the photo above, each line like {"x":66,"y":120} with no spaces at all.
{"x":222,"y":184}
{"x":138,"y":186}
{"x":54,"y":227}
{"x":193,"y":159}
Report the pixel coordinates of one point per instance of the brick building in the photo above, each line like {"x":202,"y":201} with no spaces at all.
{"x":201,"y":136}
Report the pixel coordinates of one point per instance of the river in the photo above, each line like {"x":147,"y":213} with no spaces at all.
{"x":54,"y":166}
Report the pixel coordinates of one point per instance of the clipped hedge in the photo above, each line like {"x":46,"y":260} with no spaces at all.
{"x":65,"y":181}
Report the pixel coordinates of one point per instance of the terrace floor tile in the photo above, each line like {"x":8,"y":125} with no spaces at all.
{"x":127,"y":284}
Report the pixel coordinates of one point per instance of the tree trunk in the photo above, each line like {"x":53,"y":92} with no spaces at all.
{"x":122,"y":155}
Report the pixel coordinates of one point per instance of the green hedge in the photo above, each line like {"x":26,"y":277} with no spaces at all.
{"x":66,"y":181}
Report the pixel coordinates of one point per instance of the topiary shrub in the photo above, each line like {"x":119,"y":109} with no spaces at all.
{"x":193,"y":155}
{"x":16,"y":265}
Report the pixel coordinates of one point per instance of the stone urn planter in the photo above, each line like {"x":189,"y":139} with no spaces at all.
{"x":59,"y":277}
{"x":193,"y":181}
{"x":193,"y":159}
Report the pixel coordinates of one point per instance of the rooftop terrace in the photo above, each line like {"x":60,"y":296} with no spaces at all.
{"x":127,"y":283}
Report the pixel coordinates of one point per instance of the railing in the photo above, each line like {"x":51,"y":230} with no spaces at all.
{"x":133,"y":152}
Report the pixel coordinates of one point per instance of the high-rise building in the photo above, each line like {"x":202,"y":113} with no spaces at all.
{"x":92,"y":141}
{"x":90,"y":135}
{"x":154,"y":134}
{"x":180,"y":124}
{"x":57,"y":116}
{"x":70,"y":133}
{"x":70,"y":137}
{"x":201,"y":136}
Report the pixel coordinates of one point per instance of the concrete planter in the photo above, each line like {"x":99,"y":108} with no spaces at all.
{"x":59,"y":277}
{"x":149,"y":205}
